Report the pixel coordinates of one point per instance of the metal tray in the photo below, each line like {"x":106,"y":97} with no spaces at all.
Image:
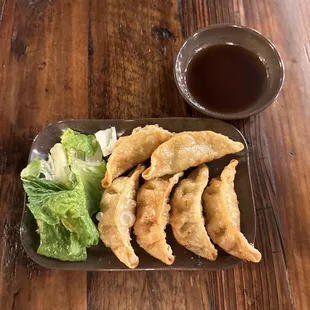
{"x":101,"y":258}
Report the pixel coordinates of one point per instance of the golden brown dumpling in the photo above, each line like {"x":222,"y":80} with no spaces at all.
{"x":189,"y":149}
{"x":132,"y":150}
{"x":118,"y":206}
{"x":187,"y":222}
{"x":153,"y":216}
{"x":223,"y":216}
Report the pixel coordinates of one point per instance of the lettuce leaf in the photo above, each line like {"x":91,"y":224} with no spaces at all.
{"x":86,"y":144}
{"x":57,"y":242}
{"x":85,"y":158}
{"x":90,"y":174}
{"x":33,"y":169}
{"x":57,"y":166}
{"x":106,"y":139}
{"x":63,"y":193}
{"x":55,"y":204}
{"x":40,"y":193}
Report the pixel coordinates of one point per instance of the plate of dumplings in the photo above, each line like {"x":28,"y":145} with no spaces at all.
{"x":177,"y":196}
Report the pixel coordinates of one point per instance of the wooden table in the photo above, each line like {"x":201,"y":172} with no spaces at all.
{"x":114,"y":59}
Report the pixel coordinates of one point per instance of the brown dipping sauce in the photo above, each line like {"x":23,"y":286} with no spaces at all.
{"x":226,"y":78}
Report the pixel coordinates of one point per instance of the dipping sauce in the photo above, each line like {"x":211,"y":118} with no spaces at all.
{"x":226,"y":78}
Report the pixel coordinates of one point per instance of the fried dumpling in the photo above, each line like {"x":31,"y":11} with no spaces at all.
{"x":153,"y":216}
{"x":189,"y":149}
{"x":187,"y":222}
{"x":118,"y":206}
{"x":223,"y":216}
{"x":132,"y":150}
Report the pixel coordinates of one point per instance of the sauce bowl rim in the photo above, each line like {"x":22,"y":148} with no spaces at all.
{"x":230,"y":115}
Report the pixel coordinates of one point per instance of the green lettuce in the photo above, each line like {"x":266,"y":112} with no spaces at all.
{"x":55,"y":168}
{"x":63,"y":193}
{"x":57,"y":242}
{"x":90,"y":174}
{"x":65,"y":227}
{"x":78,"y":145}
{"x":55,"y":204}
{"x":85,"y":158}
{"x":33,"y":169}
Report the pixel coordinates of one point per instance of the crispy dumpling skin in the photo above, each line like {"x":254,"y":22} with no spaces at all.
{"x":223,"y":216}
{"x":153,"y":216}
{"x":132,"y":150}
{"x":118,"y":206}
{"x":189,"y":149}
{"x":187,"y":222}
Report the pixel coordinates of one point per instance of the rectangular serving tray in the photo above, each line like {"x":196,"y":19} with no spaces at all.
{"x":101,"y":258}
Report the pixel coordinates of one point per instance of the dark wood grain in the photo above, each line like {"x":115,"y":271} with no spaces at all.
{"x":114,"y":59}
{"x":131,"y":49}
{"x":43,"y":78}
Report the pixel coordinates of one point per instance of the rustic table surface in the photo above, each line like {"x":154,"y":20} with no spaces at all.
{"x":106,"y":59}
